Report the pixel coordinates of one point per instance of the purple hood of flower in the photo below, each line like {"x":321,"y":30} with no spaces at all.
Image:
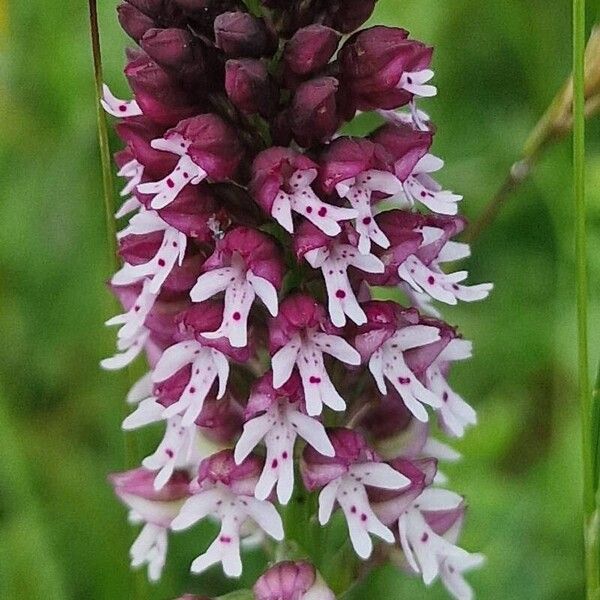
{"x":419,"y":359}
{"x":140,"y":482}
{"x":272,"y":171}
{"x":140,"y":249}
{"x":157,"y":93}
{"x":214,"y":145}
{"x":221,"y":420}
{"x":221,"y":468}
{"x":263,"y":395}
{"x":161,"y":320}
{"x":309,"y":237}
{"x":441,"y":521}
{"x":347,"y":157}
{"x":390,"y":504}
{"x":350,"y":448}
{"x":296,"y":313}
{"x":372,"y":63}
{"x":388,"y":417}
{"x":258,"y":250}
{"x":137,"y":133}
{"x":203,"y":317}
{"x":405,"y":145}
{"x":190,"y":212}
{"x":384,"y":318}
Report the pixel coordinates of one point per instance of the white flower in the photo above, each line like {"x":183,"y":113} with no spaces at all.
{"x":358,"y":191}
{"x":207,"y":364}
{"x":430,"y":554}
{"x":431,"y":280}
{"x":306,"y":352}
{"x":233,"y":511}
{"x":279,"y":426}
{"x":350,"y":493}
{"x":334,"y":262}
{"x":241,"y":286}
{"x":303,"y":200}
{"x":387,"y":362}
{"x":186,"y":172}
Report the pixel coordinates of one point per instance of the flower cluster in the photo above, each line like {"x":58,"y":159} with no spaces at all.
{"x":257,"y":238}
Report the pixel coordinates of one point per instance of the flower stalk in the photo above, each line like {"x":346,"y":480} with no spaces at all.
{"x":555,"y":124}
{"x":589,"y":409}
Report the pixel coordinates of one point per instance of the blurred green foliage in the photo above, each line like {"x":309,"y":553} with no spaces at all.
{"x":62,"y":534}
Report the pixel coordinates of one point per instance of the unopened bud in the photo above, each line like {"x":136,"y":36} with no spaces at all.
{"x":133,"y":21}
{"x":249,"y":86}
{"x":310,"y":49}
{"x":314,"y":115}
{"x":168,"y":47}
{"x":240,"y":34}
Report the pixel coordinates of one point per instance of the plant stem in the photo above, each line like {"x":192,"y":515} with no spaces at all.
{"x":592,"y":558}
{"x":107,"y":180}
{"x":130,"y":447}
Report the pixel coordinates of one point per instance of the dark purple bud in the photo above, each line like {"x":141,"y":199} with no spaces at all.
{"x":405,"y":145}
{"x":373,"y":65}
{"x":240,"y":34}
{"x":151,"y":8}
{"x":313,"y":114}
{"x":170,"y":48}
{"x":348,"y":15}
{"x":190,"y":212}
{"x":158,"y":94}
{"x":134,"y":22}
{"x":310,"y":49}
{"x":249,"y":86}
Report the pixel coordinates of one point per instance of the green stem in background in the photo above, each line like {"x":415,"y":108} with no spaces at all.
{"x":592,"y":558}
{"x":107,"y":180}
{"x":555,"y":124}
{"x":130,"y":450}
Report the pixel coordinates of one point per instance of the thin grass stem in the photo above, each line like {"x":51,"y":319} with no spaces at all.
{"x":592,"y":558}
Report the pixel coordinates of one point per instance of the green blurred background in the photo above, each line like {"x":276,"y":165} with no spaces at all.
{"x":62,"y":534}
